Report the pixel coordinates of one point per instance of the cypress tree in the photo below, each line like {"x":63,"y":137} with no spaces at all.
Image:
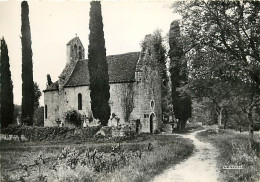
{"x":160,"y":56}
{"x":178,"y":68}
{"x":7,"y":105}
{"x":49,"y":82}
{"x":97,"y":65}
{"x":27,"y":68}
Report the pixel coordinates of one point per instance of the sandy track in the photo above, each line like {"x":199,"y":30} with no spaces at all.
{"x":200,"y":167}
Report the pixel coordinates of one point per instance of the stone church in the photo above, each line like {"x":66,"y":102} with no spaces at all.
{"x":135,"y":88}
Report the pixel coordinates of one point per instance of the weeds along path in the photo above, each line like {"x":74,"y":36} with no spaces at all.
{"x":200,"y":167}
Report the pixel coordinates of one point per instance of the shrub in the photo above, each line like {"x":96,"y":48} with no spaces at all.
{"x":73,"y":117}
{"x":38,"y":117}
{"x":89,"y":132}
{"x":157,"y":131}
{"x":33,"y":133}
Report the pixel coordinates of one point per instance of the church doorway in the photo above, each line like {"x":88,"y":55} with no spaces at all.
{"x":151,"y":122}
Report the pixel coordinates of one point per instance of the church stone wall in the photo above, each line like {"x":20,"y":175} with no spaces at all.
{"x":121,"y":101}
{"x":51,"y":100}
{"x":69,"y":101}
{"x":147,"y":91}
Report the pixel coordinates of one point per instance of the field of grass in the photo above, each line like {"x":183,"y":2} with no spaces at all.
{"x":107,"y":161}
{"x":234,"y":152}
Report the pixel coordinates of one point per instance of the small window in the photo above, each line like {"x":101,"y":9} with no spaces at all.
{"x":76,"y":51}
{"x":46,"y":112}
{"x":152,"y":104}
{"x":80,"y":52}
{"x":138,"y":76}
{"x":79,"y":101}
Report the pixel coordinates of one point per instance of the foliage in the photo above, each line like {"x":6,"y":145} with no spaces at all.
{"x":27,"y":68}
{"x":127,"y":101}
{"x":89,"y":132}
{"x":208,"y":117}
{"x":6,"y":102}
{"x":17,"y":113}
{"x":49,"y":82}
{"x":235,"y":150}
{"x":37,"y":95}
{"x":98,"y":68}
{"x":73,"y":117}
{"x":178,"y":68}
{"x":190,"y":127}
{"x":227,"y":35}
{"x":38,"y":117}
{"x":34,"y":133}
{"x":160,"y":56}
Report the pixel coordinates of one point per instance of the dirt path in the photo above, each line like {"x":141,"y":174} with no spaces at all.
{"x":200,"y":167}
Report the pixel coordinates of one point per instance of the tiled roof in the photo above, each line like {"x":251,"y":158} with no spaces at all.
{"x":121,"y":68}
{"x":80,"y":75}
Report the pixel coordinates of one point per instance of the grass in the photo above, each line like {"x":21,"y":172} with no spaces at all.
{"x":167,"y":150}
{"x":234,"y":151}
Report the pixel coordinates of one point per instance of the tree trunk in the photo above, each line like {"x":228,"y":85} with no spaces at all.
{"x":179,"y":125}
{"x":183,"y":124}
{"x":220,"y":117}
{"x":251,"y":125}
{"x":226,"y":118}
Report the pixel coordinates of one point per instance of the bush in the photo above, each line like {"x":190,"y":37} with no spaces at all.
{"x":73,"y":117}
{"x":38,"y":117}
{"x":33,"y":133}
{"x":89,"y":132}
{"x":157,"y":131}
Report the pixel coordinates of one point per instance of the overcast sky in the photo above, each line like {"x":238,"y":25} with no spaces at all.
{"x":53,"y":24}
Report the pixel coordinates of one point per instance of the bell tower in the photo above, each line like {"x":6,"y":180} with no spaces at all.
{"x":75,"y":50}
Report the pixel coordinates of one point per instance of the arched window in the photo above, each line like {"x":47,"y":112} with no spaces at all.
{"x":75,"y":51}
{"x":80,"y":52}
{"x":79,"y":101}
{"x":152,"y":104}
{"x":46,"y":112}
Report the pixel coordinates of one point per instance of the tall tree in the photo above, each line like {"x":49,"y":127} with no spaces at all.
{"x":160,"y":56}
{"x":178,"y":68}
{"x":27,"y":68}
{"x":7,"y":105}
{"x":230,"y":28}
{"x":97,"y":65}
